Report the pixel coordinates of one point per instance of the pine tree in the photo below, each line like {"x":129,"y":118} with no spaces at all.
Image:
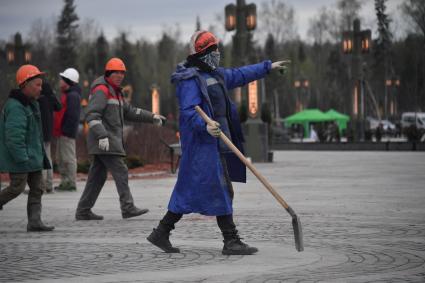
{"x":101,"y":54}
{"x":66,"y":36}
{"x":274,"y":79}
{"x":415,"y":10}
{"x":348,"y":11}
{"x":270,"y":47}
{"x":383,"y":42}
{"x":382,"y":47}
{"x":301,"y":53}
{"x":125,"y":50}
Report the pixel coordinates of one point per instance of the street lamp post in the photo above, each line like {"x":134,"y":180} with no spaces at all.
{"x":391,"y":102}
{"x":297,"y":85}
{"x":242,"y":17}
{"x":18,"y":53}
{"x":156,"y":101}
{"x":301,"y":85}
{"x":357,"y":43}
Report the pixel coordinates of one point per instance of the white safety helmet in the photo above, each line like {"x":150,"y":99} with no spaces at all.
{"x":71,"y":74}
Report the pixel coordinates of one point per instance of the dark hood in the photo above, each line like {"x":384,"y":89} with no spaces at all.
{"x":18,"y":95}
{"x":182,"y":73}
{"x":74,"y":88}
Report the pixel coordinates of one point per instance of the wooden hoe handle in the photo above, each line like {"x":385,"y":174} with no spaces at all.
{"x":251,"y":167}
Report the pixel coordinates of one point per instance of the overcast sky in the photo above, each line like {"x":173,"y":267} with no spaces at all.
{"x":148,"y":18}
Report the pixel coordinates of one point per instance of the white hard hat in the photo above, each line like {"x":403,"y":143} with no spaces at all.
{"x":71,"y":74}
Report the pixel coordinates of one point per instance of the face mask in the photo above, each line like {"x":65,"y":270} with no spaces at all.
{"x":212,"y":59}
{"x":215,"y":58}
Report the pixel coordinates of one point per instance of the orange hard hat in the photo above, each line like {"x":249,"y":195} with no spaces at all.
{"x":115,"y":64}
{"x":201,"y":40}
{"x":84,"y":102}
{"x":26,"y":72}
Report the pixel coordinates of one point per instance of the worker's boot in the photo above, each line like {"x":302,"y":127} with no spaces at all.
{"x":66,"y":187}
{"x":160,"y":237}
{"x":133,"y":212}
{"x":89,"y":215}
{"x":34,"y":221}
{"x":234,"y":246}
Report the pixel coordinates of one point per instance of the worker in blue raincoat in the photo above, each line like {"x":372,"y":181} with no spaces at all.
{"x":207,"y":166}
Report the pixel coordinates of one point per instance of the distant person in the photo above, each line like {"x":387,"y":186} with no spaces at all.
{"x":333,"y":132}
{"x":378,"y":132}
{"x":207,"y":166}
{"x":66,"y":122}
{"x":327,"y":132}
{"x":301,"y":132}
{"x":105,"y":115}
{"x":21,"y":145}
{"x":48,"y":104}
{"x":337,"y":133}
{"x":349,"y":133}
{"x":398,"y":129}
{"x":313,"y":134}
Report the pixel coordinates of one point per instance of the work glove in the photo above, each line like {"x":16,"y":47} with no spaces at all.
{"x":214,"y":130}
{"x":104,"y":144}
{"x":158,"y":120}
{"x":281,"y":66}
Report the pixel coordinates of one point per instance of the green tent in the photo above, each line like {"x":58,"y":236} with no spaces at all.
{"x":339,"y":118}
{"x":306,"y":117}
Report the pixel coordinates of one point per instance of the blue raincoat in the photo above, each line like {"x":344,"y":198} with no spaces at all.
{"x":201,"y":187}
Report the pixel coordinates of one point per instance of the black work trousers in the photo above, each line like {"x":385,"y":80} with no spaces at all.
{"x":224,"y":222}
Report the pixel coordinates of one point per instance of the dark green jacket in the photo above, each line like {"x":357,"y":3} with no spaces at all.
{"x":21,"y":138}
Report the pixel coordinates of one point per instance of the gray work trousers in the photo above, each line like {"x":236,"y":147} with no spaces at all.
{"x":18,"y":182}
{"x":67,"y":160}
{"x":96,"y":178}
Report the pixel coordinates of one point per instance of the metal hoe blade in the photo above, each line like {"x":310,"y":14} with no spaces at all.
{"x":296,"y":224}
{"x":298,"y":232}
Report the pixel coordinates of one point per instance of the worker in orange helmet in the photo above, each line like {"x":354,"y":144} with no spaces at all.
{"x":207,"y":166}
{"x":21,"y":145}
{"x":105,"y":115}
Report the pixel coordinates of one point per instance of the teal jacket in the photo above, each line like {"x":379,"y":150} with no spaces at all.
{"x":21,"y":137}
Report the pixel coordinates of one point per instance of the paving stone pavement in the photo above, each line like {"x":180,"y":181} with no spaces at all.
{"x":362,"y":214}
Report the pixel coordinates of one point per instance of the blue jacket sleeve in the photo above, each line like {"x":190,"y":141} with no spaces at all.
{"x":189,"y":96}
{"x":237,"y":77}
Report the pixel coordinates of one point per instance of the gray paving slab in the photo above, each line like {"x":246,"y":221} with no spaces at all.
{"x":362,"y":213}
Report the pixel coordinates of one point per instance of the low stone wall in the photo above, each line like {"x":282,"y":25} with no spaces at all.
{"x":144,"y":141}
{"x":363,"y":146}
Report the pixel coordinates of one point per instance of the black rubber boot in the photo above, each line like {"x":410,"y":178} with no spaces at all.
{"x":34,"y":221}
{"x":39,"y":227}
{"x":160,"y":237}
{"x":234,"y":246}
